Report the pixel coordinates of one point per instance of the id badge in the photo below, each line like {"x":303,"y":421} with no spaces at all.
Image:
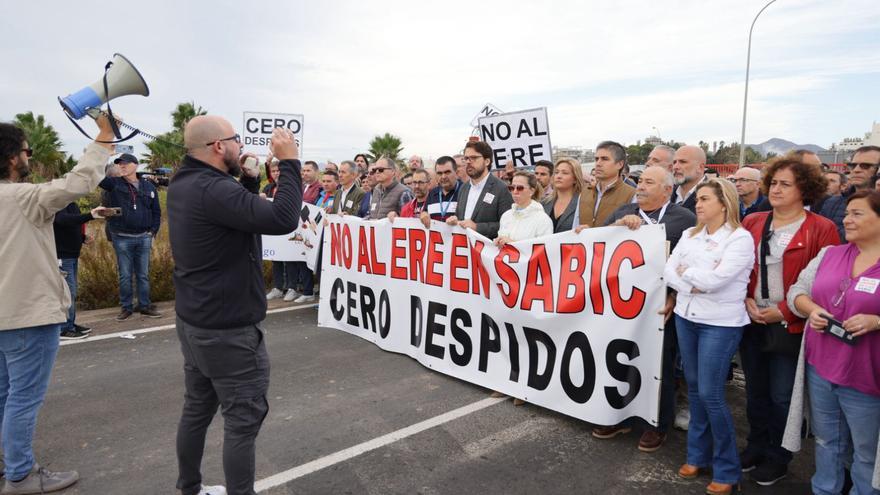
{"x":835,"y":328}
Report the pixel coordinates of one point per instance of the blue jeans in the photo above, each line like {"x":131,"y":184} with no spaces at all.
{"x":133,"y":258}
{"x":69,"y":266}
{"x":769,"y":381}
{"x":706,"y":351}
{"x":846,"y":423}
{"x":26,"y":359}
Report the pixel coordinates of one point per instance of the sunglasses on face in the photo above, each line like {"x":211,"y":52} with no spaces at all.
{"x":235,"y":138}
{"x":377,"y":170}
{"x":28,"y":151}
{"x":861,"y":165}
{"x":518,"y":188}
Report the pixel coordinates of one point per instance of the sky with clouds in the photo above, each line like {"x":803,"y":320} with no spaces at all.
{"x":604,"y":69}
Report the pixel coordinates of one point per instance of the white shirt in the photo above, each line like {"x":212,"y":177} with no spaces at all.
{"x":344,"y":195}
{"x":719,"y":266}
{"x":473,"y":197}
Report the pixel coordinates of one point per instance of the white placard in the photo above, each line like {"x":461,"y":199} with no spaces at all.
{"x":300,"y":245}
{"x":522,"y":137}
{"x":257,"y":127}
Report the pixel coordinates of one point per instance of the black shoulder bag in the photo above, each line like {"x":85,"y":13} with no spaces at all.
{"x":776,"y":336}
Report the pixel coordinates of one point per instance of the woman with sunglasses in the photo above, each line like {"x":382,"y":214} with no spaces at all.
{"x":526,"y":219}
{"x":840,"y":361}
{"x":709,"y":269}
{"x":785,"y":239}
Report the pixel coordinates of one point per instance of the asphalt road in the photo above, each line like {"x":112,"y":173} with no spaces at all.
{"x":342,"y":421}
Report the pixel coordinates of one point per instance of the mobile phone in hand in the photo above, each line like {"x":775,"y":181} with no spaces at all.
{"x":112,"y":212}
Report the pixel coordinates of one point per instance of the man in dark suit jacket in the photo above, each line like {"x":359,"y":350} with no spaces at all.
{"x":349,"y":194}
{"x":484,"y":198}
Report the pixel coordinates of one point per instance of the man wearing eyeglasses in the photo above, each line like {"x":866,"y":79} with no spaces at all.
{"x":421,"y":182}
{"x":34,"y":296}
{"x":748,"y":186}
{"x":388,"y":195}
{"x":484,"y":198}
{"x":863,"y":166}
{"x":132,"y":233}
{"x":215,"y":223}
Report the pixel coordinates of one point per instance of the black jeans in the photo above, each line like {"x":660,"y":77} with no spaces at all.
{"x":228,"y":368}
{"x":769,"y":382}
{"x":667,"y":377}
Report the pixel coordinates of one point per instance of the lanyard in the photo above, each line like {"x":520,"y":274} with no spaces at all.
{"x":650,"y":220}
{"x":445,"y":207}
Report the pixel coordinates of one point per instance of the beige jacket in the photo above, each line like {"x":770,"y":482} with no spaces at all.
{"x":32,"y":289}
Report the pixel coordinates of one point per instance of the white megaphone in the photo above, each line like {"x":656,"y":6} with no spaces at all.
{"x":121,"y":79}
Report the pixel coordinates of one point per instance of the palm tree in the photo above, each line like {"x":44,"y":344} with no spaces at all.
{"x":168,"y":150}
{"x":386,"y":146}
{"x":184,"y":113}
{"x":48,"y":159}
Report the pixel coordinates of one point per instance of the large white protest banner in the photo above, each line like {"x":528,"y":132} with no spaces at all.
{"x":568,"y":322}
{"x":520,"y":137}
{"x":258,"y":127}
{"x":303,"y":244}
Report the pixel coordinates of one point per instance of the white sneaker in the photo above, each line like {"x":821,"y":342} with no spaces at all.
{"x":682,"y":419}
{"x":274,"y":294}
{"x":213,"y":490}
{"x":304,"y":299}
{"x":291,"y":295}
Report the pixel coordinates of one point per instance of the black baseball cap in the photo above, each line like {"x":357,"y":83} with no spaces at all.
{"x":126,"y":158}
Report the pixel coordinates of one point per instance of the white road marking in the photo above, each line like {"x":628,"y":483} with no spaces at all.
{"x":116,"y":335}
{"x":346,"y":454}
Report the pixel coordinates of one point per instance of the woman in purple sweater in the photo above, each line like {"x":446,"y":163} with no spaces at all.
{"x":839,"y":293}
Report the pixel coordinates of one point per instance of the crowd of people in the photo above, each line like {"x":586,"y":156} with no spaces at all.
{"x":742,"y":247}
{"x":778,"y":263}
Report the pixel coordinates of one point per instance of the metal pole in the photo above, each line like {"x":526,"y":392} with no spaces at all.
{"x":742,"y":141}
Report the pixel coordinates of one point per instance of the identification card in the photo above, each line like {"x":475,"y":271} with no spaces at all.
{"x":348,"y":204}
{"x":868,"y":285}
{"x":488,"y":198}
{"x":835,"y":328}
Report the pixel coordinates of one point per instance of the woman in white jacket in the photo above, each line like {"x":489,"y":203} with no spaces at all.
{"x":709,"y":269}
{"x":526,"y":219}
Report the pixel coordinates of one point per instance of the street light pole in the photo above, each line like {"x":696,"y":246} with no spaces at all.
{"x":742,"y":141}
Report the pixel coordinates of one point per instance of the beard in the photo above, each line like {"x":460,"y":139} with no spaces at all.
{"x":22,"y":169}
{"x":232,"y":164}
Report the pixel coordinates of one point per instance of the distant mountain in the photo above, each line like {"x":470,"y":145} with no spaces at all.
{"x":781,"y":147}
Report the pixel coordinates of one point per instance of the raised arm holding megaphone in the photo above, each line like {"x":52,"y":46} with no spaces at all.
{"x":120,"y":78}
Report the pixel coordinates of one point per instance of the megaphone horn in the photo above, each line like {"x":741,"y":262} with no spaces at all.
{"x":120,"y":79}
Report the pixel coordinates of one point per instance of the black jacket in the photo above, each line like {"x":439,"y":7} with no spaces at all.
{"x":140,"y":205}
{"x":487,"y":213}
{"x":215,"y":224}
{"x":68,"y":231}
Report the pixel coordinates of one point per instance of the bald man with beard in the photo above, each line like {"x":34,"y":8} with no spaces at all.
{"x":215,"y":226}
{"x":688,"y":171}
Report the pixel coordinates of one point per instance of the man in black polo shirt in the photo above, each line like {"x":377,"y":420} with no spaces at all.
{"x":215,"y":225}
{"x":654,"y":206}
{"x":443,"y":199}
